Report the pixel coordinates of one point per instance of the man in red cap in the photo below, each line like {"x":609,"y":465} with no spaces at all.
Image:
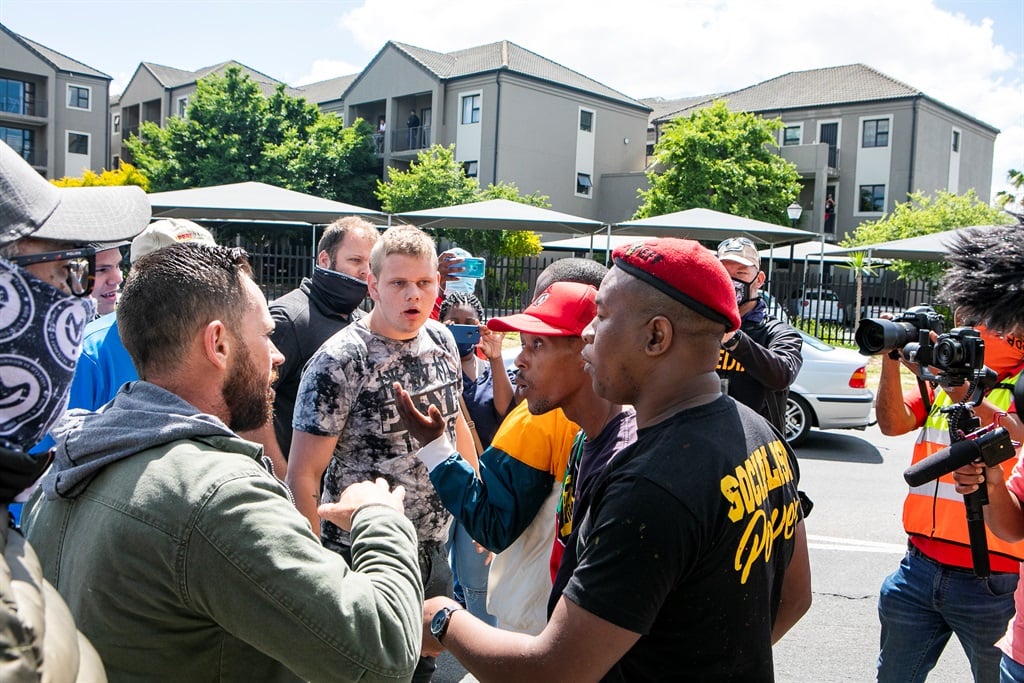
{"x":691,"y":553}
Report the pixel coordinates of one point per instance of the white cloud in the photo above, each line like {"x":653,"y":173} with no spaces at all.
{"x":324,"y":69}
{"x":645,"y":48}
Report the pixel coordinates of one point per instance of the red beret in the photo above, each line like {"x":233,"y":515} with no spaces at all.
{"x":685,"y":271}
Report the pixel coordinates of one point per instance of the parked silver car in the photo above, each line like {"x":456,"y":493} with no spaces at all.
{"x":829,"y":393}
{"x":821,"y":305}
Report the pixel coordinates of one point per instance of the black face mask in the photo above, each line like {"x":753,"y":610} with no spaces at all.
{"x":40,"y":339}
{"x":743,"y":290}
{"x":341,"y":293}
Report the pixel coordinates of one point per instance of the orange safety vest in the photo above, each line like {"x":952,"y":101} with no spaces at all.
{"x":935,"y":510}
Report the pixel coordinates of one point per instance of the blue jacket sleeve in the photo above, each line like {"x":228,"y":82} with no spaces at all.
{"x":498,"y":506}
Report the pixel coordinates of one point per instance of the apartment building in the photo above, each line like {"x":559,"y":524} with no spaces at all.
{"x":513,"y":116}
{"x":53,"y":109}
{"x":863,"y":139}
{"x":156,"y":92}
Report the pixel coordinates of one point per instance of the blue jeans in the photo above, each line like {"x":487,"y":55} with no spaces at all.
{"x":1010,"y":671}
{"x":470,"y":573}
{"x":923,"y":603}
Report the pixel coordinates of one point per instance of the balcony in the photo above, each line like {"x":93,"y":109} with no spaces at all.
{"x":406,"y":139}
{"x":20,"y":109}
{"x":813,"y":159}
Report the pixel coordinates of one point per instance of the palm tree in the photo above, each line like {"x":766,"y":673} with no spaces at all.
{"x":861,"y":265}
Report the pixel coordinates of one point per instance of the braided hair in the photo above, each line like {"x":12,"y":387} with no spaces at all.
{"x":461,"y":298}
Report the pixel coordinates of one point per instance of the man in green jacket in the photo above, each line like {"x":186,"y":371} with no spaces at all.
{"x":180,"y":555}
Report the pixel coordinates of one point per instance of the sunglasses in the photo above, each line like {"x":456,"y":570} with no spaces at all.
{"x":735,"y":244}
{"x":80,"y":266}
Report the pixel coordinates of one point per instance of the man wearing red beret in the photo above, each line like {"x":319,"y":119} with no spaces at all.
{"x":692,"y":556}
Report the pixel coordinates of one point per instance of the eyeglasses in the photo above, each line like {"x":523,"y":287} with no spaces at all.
{"x":80,"y":266}
{"x":735,"y":244}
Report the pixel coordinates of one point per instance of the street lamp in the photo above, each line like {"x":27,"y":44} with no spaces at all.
{"x":793,"y":211}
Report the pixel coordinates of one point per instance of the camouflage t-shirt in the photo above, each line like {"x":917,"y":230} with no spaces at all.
{"x":346,"y":390}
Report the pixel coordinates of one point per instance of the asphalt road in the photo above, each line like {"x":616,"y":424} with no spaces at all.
{"x":856,"y":539}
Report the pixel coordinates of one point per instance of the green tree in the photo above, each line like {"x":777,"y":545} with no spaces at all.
{"x":1006,"y":200}
{"x":435,"y":179}
{"x":125,"y":175}
{"x":233,"y":133}
{"x":923,"y":215}
{"x":721,"y":160}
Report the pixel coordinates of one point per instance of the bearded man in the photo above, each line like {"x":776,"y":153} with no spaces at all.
{"x":180,"y":555}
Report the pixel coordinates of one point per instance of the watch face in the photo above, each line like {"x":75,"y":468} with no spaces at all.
{"x":439,"y":621}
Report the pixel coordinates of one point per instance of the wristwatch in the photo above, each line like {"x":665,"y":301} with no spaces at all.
{"x":439,"y":623}
{"x":733,"y":342}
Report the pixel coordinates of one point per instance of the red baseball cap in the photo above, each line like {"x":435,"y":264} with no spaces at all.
{"x":562,"y":310}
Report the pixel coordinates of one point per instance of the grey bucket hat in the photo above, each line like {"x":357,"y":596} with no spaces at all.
{"x":30,"y":205}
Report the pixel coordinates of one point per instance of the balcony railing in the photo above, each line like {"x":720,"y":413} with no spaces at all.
{"x":406,"y":139}
{"x":19,"y":105}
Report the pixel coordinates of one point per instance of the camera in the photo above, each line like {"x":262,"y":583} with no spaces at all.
{"x":877,"y":335}
{"x":958,"y":355}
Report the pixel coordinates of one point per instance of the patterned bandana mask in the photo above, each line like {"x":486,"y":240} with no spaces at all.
{"x":40,"y":339}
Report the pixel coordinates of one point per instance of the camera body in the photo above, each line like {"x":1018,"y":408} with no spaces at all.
{"x":958,"y":355}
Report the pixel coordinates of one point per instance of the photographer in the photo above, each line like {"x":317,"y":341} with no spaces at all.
{"x":916,"y":620}
{"x":987,"y":267}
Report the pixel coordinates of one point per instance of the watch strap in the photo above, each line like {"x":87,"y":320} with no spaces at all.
{"x":442,"y":630}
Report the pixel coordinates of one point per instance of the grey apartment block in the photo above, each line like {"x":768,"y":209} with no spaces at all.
{"x":53,"y":109}
{"x":156,"y":93}
{"x":861,"y":137}
{"x":513,"y":117}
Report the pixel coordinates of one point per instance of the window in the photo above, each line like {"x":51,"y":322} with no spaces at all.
{"x":115,"y":162}
{"x":872,"y":198}
{"x":583,"y":183}
{"x":78,"y":97}
{"x":876,"y":133}
{"x":791,"y":136}
{"x":20,"y":141}
{"x":17,"y":97}
{"x":586,"y":120}
{"x":472,"y":168}
{"x":115,"y":123}
{"x":182,"y":107}
{"x":471,"y":109}
{"x":78,"y":143}
{"x":956,"y":141}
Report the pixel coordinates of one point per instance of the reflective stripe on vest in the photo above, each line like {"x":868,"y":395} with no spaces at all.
{"x":935,"y":509}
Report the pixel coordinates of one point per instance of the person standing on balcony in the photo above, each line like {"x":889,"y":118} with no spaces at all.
{"x":413,"y":125}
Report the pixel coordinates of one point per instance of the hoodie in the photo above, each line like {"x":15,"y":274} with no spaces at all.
{"x":141,"y":416}
{"x":183,"y":558}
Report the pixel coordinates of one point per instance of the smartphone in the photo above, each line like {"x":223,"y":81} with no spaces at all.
{"x":465,"y":334}
{"x":473,"y":267}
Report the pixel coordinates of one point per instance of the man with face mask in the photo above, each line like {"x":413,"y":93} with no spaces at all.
{"x":322,"y":305}
{"x":45,"y":281}
{"x":760,"y":360}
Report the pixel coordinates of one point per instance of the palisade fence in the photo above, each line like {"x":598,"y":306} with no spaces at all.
{"x":280,"y":265}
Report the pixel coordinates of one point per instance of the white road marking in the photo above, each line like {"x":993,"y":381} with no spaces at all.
{"x":854,"y":545}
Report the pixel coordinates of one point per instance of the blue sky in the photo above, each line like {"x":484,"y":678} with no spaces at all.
{"x":966,"y":53}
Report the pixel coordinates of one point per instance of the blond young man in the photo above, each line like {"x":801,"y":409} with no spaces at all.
{"x":346,"y":426}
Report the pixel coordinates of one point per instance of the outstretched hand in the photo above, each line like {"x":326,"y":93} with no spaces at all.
{"x":423,"y":427}
{"x":360,"y":495}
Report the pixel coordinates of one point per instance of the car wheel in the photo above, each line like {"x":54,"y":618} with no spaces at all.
{"x":799,"y":419}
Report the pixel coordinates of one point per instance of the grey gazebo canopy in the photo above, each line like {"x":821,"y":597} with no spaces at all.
{"x":931,"y":247}
{"x":500,"y":214}
{"x":707,"y":224}
{"x":254,"y":202}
